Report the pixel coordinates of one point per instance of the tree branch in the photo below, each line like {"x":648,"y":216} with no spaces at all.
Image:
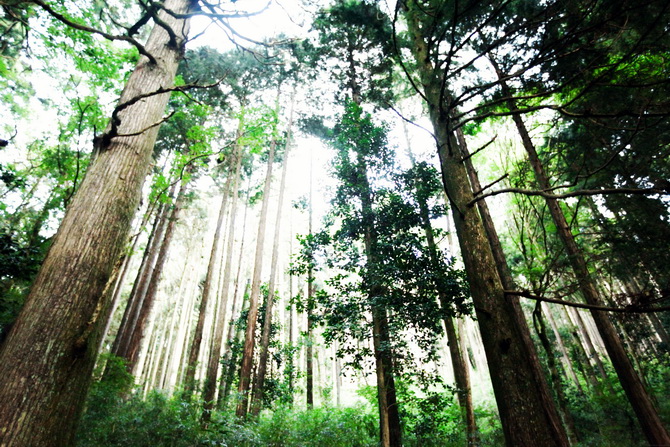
{"x":631,"y":308}
{"x":88,"y":29}
{"x":578,"y":193}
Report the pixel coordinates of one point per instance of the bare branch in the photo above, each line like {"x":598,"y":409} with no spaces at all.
{"x":100,"y":142}
{"x":470,"y":155}
{"x":578,"y":193}
{"x":503,"y":177}
{"x":631,"y":308}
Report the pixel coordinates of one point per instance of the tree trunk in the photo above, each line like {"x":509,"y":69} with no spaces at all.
{"x":309,"y":354}
{"x":526,"y":410}
{"x":232,"y":333}
{"x":120,"y":280}
{"x":461,"y":372}
{"x":132,"y":349}
{"x":47,"y":359}
{"x":257,"y":400}
{"x":136,"y":297}
{"x":209,"y":388}
{"x":541,"y":331}
{"x":248,"y":352}
{"x":234,"y":351}
{"x":642,"y":404}
{"x":564,"y":351}
{"x":194,"y":352}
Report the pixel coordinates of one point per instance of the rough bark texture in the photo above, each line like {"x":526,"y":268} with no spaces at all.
{"x":520,"y":396}
{"x":248,"y":352}
{"x":47,"y":359}
{"x":642,"y":404}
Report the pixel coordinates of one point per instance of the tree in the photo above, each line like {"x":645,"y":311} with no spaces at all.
{"x":54,"y":340}
{"x":512,"y":371}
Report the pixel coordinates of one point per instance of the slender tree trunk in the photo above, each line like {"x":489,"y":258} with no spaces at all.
{"x":526,"y":409}
{"x":642,"y":404}
{"x":132,"y":349}
{"x":248,"y":352}
{"x":461,"y":372}
{"x":309,"y":354}
{"x":257,"y":400}
{"x":118,"y":284}
{"x":390,"y":433}
{"x":194,"y":352}
{"x":136,"y":297}
{"x":48,"y":356}
{"x":209,"y":388}
{"x":541,"y":331}
{"x":235,"y":351}
{"x":232,"y":360}
{"x":564,"y":351}
{"x":389,"y":417}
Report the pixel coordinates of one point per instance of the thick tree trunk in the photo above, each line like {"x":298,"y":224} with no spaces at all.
{"x":194,"y":352}
{"x":528,"y":415}
{"x":248,"y":352}
{"x":461,"y":372}
{"x":47,"y":359}
{"x":267,"y":324}
{"x":209,"y":388}
{"x":642,"y":404}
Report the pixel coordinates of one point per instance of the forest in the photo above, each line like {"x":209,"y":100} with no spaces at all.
{"x":349,"y":223}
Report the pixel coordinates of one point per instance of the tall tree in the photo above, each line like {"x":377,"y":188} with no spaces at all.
{"x":647,"y":414}
{"x":528,"y":417}
{"x":267,"y":322}
{"x":250,"y":333}
{"x":55,"y":338}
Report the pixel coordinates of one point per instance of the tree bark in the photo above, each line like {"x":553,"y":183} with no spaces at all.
{"x":136,"y":297}
{"x":194,"y":352}
{"x":209,"y":388}
{"x":527,"y":413}
{"x":642,"y":404}
{"x":132,"y":349}
{"x":47,"y":359}
{"x":257,"y":399}
{"x":248,"y":352}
